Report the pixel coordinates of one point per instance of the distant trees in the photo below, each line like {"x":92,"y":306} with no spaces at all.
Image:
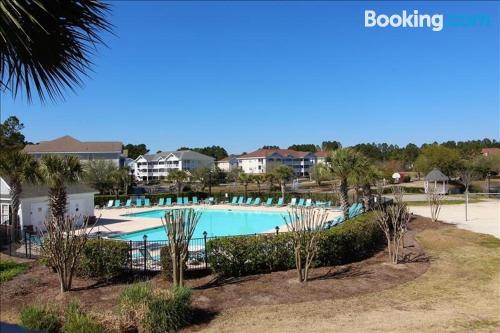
{"x":216,"y":152}
{"x":437,"y":156}
{"x":308,"y":147}
{"x":270,"y":147}
{"x":106,"y":177}
{"x":135,"y":151}
{"x":330,"y":145}
{"x":11,"y":137}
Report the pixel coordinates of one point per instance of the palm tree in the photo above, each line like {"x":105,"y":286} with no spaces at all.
{"x":342,"y":164}
{"x":245,"y":179}
{"x":270,"y":179}
{"x":364,"y":175}
{"x":46,"y":45}
{"x":57,"y":172}
{"x":19,"y":168}
{"x":258,"y":179}
{"x":178,"y":177}
{"x":283,"y":174}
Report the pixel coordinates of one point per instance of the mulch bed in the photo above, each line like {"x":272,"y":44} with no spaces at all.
{"x":212,"y":294}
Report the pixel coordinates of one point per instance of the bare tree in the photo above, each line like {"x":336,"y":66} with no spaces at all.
{"x":179,"y":225}
{"x":63,"y":242}
{"x":467,"y":173}
{"x":304,"y":224}
{"x":435,"y":200}
{"x":393,"y":220}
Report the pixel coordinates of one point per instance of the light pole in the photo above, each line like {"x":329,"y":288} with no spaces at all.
{"x":488,"y":176}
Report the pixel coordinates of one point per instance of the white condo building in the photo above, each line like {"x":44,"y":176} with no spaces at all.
{"x":265,"y":160}
{"x":157,"y":166}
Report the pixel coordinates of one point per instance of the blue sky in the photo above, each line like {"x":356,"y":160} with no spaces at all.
{"x":244,"y":74}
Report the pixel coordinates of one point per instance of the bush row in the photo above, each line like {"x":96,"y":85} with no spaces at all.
{"x":104,"y":258}
{"x":102,"y":200}
{"x":351,"y":241}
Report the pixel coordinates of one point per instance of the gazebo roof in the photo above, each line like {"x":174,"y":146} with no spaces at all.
{"x":436,"y":176}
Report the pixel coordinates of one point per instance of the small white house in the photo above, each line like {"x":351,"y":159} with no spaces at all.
{"x":227,"y":164}
{"x":35,"y":206}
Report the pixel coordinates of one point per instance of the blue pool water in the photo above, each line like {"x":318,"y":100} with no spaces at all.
{"x":214,"y":222}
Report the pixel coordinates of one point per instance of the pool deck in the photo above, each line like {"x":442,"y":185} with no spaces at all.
{"x":113,"y":221}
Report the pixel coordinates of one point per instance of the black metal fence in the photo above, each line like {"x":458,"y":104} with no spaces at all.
{"x":146,"y":255}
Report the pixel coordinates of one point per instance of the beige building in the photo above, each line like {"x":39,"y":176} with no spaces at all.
{"x":86,"y":151}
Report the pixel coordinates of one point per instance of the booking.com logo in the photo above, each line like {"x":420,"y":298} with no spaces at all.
{"x":414,"y":19}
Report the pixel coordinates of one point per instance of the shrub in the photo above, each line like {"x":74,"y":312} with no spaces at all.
{"x":156,"y":312}
{"x":9,"y":269}
{"x":133,"y":301}
{"x":76,"y":321}
{"x":104,"y":258}
{"x":169,"y":314}
{"x":40,"y":318}
{"x":353,"y":240}
{"x":243,"y":255}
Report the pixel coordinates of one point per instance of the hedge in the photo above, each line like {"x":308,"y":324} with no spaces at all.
{"x":104,"y":258}
{"x":351,"y":241}
{"x":102,"y":200}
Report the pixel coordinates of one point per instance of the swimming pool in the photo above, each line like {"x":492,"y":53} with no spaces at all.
{"x":215,"y":222}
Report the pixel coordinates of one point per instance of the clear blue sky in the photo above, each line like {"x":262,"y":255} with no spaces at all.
{"x":244,"y":74}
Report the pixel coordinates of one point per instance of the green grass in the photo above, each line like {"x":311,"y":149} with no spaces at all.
{"x":9,"y":269}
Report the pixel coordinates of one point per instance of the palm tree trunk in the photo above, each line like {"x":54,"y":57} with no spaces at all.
{"x":283,"y":190}
{"x":15,"y":194}
{"x":366,"y":196}
{"x":344,"y":199}
{"x":57,"y":202}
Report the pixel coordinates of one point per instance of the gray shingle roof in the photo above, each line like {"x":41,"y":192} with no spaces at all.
{"x":68,"y":144}
{"x":436,"y":176}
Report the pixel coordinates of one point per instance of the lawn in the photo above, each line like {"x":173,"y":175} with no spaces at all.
{"x":451,"y":283}
{"x":460,"y":292}
{"x":9,"y":269}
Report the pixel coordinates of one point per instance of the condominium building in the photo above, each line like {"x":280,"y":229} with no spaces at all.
{"x":86,"y":151}
{"x":229,"y":163}
{"x":157,"y":166}
{"x":265,"y":160}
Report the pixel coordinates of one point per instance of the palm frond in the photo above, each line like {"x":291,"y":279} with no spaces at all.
{"x":46,"y":46}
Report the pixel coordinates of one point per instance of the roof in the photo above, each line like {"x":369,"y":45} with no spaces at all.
{"x":263,"y":153}
{"x":180,"y":154}
{"x":322,"y":153}
{"x":68,"y":144}
{"x":229,"y":158}
{"x":40,"y":190}
{"x":490,"y":151}
{"x":436,"y":176}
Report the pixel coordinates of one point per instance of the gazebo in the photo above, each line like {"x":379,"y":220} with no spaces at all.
{"x":436,"y":181}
